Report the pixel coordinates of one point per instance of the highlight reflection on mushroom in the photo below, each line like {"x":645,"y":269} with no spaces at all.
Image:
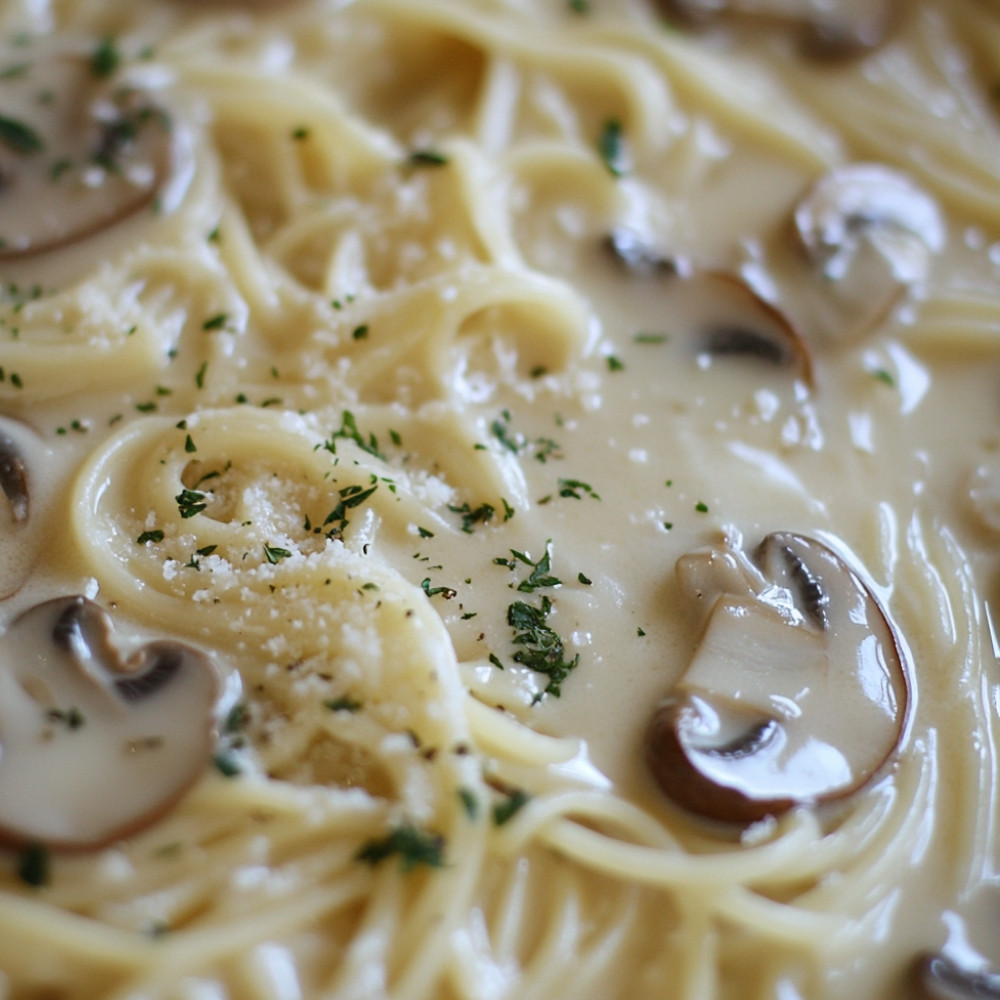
{"x":871,"y":233}
{"x":93,"y":744}
{"x":798,"y":691}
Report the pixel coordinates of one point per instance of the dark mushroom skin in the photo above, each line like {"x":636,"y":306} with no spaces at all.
{"x":848,"y":30}
{"x":95,"y":744}
{"x":798,"y":691}
{"x":634,"y":255}
{"x":936,"y":977}
{"x":14,"y":478}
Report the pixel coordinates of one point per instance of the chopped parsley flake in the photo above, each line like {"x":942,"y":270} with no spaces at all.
{"x":414,"y":847}
{"x":343,"y":704}
{"x":34,"y":865}
{"x":512,"y":804}
{"x":273,"y":554}
{"x":473,"y":516}
{"x":216,"y":322}
{"x":427,"y":158}
{"x":446,"y":592}
{"x":105,"y":59}
{"x":469,"y":802}
{"x":575,"y":488}
{"x":150,"y":536}
{"x":191,"y":502}
{"x":611,"y":146}
{"x":18,"y":137}
{"x":227,"y":763}
{"x":349,"y":432}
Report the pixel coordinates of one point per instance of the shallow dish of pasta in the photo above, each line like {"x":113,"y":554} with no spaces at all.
{"x":501,"y":499}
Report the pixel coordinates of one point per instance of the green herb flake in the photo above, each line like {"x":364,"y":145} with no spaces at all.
{"x":611,"y":146}
{"x":581,"y":7}
{"x":227,"y":764}
{"x":301,"y":133}
{"x":511,"y":804}
{"x":343,"y":704}
{"x":216,"y":322}
{"x":34,"y":865}
{"x":156,"y":535}
{"x":426,"y":158}
{"x":413,"y":846}
{"x":885,"y":377}
{"x":701,"y":507}
{"x":18,"y":137}
{"x":470,"y":803}
{"x":575,"y":489}
{"x":446,"y":592}
{"x":615,"y":364}
{"x":360,"y":332}
{"x":273,"y":554}
{"x":540,"y":575}
{"x":471,"y":516}
{"x":189,"y":445}
{"x":105,"y":59}
{"x":585,"y":580}
{"x":191,"y":502}
{"x":15,"y":72}
{"x":349,"y":431}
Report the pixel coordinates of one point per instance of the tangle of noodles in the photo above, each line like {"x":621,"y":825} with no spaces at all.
{"x":363,"y":382}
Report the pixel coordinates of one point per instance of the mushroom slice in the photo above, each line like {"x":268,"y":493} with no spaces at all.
{"x":730,"y":320}
{"x":797,"y":693}
{"x":829,"y":29}
{"x":93,"y":154}
{"x":872,"y":233}
{"x":942,"y":979}
{"x":26,"y":479}
{"x":634,"y":254}
{"x":94,"y":745}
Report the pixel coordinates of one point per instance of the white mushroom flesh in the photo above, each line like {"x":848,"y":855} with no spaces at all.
{"x":798,"y":690}
{"x":872,"y":233}
{"x":94,"y":152}
{"x":94,"y":745}
{"x":730,"y":321}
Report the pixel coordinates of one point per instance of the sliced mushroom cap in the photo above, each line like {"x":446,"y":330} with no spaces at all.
{"x":872,"y":233}
{"x":797,"y":693}
{"x":638,"y":256}
{"x":829,"y":29}
{"x":94,"y":745}
{"x":726,"y":320}
{"x":89,"y":155}
{"x":26,"y":481}
{"x":939,"y":978}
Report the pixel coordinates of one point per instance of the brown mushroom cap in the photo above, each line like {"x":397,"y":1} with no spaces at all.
{"x":871,"y":233}
{"x":93,"y":744}
{"x":26,"y":481}
{"x":797,"y":693}
{"x":939,"y":978}
{"x":94,"y":153}
{"x":839,"y":29}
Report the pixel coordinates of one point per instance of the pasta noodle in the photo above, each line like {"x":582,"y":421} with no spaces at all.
{"x":430,"y":337}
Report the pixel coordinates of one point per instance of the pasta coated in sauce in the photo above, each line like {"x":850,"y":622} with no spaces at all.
{"x":493,"y":420}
